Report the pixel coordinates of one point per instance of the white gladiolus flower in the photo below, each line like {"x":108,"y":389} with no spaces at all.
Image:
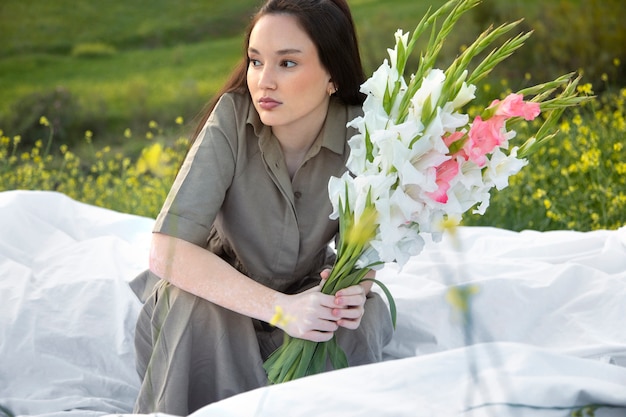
{"x":501,"y":166}
{"x":402,"y":39}
{"x":381,"y":79}
{"x":410,"y":159}
{"x":466,"y":94}
{"x":430,"y":90}
{"x":413,"y":165}
{"x":337,"y":192}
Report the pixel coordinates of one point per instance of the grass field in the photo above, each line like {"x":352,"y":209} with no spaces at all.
{"x":145,"y":61}
{"x":120,"y":85}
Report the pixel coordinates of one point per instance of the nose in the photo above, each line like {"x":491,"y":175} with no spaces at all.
{"x":267,"y":78}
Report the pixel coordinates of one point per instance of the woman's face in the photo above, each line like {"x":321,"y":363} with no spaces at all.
{"x":288,"y":85}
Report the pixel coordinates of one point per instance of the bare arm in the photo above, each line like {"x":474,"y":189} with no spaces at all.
{"x":314,"y":316}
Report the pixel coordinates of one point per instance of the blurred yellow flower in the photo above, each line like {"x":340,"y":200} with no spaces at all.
{"x":459,"y":297}
{"x":585,"y":89}
{"x":154,"y":160}
{"x":44,"y":121}
{"x":547,"y":204}
{"x":179,"y":120}
{"x":280,"y":319}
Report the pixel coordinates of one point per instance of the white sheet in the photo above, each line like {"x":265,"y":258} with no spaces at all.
{"x":548,"y":323}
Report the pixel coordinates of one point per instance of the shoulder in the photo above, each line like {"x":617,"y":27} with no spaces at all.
{"x":233,"y":105}
{"x":354,"y":111}
{"x":235,"y":111}
{"x":343,"y":113}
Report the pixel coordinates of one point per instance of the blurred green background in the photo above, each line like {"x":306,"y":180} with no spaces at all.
{"x":109,"y":66}
{"x":121,"y":82}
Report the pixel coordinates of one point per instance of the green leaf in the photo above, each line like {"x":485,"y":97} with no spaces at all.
{"x":317,"y":364}
{"x":392,"y":303}
{"x":337,"y":356}
{"x":5,"y":411}
{"x":308,"y":349}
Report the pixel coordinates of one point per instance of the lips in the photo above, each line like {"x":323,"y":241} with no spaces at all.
{"x":267,"y":103}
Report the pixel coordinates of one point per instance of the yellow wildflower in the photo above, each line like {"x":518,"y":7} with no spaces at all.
{"x":44,"y":121}
{"x":459,"y":297}
{"x":153,"y":159}
{"x":279,"y":318}
{"x":547,"y":204}
{"x":179,"y":120}
{"x":585,"y":89}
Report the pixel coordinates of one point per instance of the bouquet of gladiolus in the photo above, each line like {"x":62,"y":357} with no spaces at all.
{"x":419,"y":160}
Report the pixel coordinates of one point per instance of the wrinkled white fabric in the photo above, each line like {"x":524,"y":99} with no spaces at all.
{"x":67,"y":314}
{"x":547,"y":328}
{"x":514,"y":380}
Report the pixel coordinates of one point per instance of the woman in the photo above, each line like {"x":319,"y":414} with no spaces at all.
{"x":245,"y":228}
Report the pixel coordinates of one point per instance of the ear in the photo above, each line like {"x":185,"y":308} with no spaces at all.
{"x":332,"y":88}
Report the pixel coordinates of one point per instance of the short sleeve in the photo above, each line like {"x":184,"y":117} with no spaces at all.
{"x":205,"y":175}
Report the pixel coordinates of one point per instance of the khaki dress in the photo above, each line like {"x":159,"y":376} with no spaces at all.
{"x":233,"y":196}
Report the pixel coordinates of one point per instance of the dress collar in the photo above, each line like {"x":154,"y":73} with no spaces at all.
{"x":336,"y":120}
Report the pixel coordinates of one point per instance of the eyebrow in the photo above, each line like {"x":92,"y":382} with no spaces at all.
{"x":288,"y":51}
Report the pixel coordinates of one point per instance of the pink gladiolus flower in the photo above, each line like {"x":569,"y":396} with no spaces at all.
{"x":514,"y":106}
{"x":452,"y":137}
{"x":445,"y":173}
{"x":484,"y":136}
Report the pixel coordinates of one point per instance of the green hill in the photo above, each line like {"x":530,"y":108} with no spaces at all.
{"x":106,"y":67}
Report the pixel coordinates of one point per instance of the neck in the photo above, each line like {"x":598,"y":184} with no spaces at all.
{"x":299,"y":136}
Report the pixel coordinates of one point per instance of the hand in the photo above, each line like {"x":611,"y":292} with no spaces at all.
{"x":349,"y":302}
{"x":351,"y":306}
{"x":309,"y":315}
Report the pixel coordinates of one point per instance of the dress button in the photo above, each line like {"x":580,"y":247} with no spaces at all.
{"x":297,"y":194}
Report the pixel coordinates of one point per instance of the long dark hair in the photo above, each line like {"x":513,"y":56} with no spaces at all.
{"x":330,"y":26}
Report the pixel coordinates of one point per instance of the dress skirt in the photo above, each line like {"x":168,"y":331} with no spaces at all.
{"x":191,"y":352}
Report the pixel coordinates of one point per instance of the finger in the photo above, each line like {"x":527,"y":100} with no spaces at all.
{"x":352,"y":290}
{"x":318,"y":325}
{"x":353,"y":321}
{"x":316,"y":336}
{"x":350,"y":324}
{"x":347,"y":313}
{"x":325,"y":326}
{"x":325,"y":274}
{"x":355,"y":300}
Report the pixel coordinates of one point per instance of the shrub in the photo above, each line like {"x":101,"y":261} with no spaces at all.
{"x":576,"y":182}
{"x":93,"y":50}
{"x":60,"y":107}
{"x":102,"y":176}
{"x":584,"y":35}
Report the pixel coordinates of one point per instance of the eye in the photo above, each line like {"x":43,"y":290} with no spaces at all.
{"x":288,"y":64}
{"x":254,"y":62}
